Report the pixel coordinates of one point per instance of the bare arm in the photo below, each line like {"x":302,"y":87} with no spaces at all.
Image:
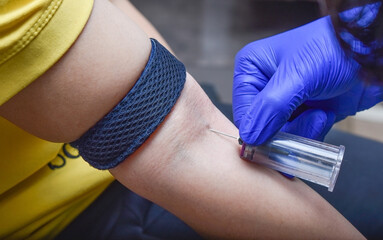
{"x":200,"y":178}
{"x":183,"y":167}
{"x":130,"y":10}
{"x":91,"y":78}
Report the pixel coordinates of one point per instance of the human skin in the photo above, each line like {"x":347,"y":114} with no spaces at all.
{"x":130,"y":10}
{"x":183,"y":167}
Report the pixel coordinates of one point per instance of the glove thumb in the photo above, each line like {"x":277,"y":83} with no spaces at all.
{"x":313,"y":123}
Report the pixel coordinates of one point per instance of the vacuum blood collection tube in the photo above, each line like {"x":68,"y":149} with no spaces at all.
{"x":304,"y":158}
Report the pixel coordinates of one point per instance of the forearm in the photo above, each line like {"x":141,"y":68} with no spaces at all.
{"x":198,"y":176}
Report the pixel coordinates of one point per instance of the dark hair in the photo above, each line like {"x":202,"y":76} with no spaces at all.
{"x":360,"y":32}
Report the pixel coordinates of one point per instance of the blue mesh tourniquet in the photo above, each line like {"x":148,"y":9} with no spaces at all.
{"x":131,"y":122}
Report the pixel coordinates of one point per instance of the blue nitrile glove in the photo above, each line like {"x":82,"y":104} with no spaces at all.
{"x":273,"y":77}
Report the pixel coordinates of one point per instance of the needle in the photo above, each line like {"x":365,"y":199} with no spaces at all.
{"x":227,"y":135}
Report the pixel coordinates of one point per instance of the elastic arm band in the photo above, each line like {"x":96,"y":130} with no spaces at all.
{"x":136,"y":117}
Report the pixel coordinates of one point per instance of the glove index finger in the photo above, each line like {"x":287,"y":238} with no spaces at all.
{"x":245,"y":88}
{"x":254,"y":66}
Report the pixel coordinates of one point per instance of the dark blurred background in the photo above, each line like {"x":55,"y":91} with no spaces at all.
{"x":206,"y":34}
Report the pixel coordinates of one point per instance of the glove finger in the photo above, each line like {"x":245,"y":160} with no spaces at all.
{"x":272,"y":107}
{"x":245,"y":88}
{"x":257,"y":59}
{"x":331,"y":119}
{"x":371,"y":95}
{"x":253,"y":68}
{"x":313,"y":123}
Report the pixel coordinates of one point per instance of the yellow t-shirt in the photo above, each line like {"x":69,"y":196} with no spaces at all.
{"x":43,"y":185}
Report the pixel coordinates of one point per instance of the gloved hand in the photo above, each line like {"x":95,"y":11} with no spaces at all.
{"x":273,"y":77}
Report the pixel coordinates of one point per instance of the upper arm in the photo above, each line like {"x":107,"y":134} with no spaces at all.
{"x":87,"y":82}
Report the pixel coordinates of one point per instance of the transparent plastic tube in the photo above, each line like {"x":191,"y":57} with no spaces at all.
{"x":308,"y":159}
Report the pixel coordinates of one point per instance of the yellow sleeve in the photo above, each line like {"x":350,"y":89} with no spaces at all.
{"x":34,"y":34}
